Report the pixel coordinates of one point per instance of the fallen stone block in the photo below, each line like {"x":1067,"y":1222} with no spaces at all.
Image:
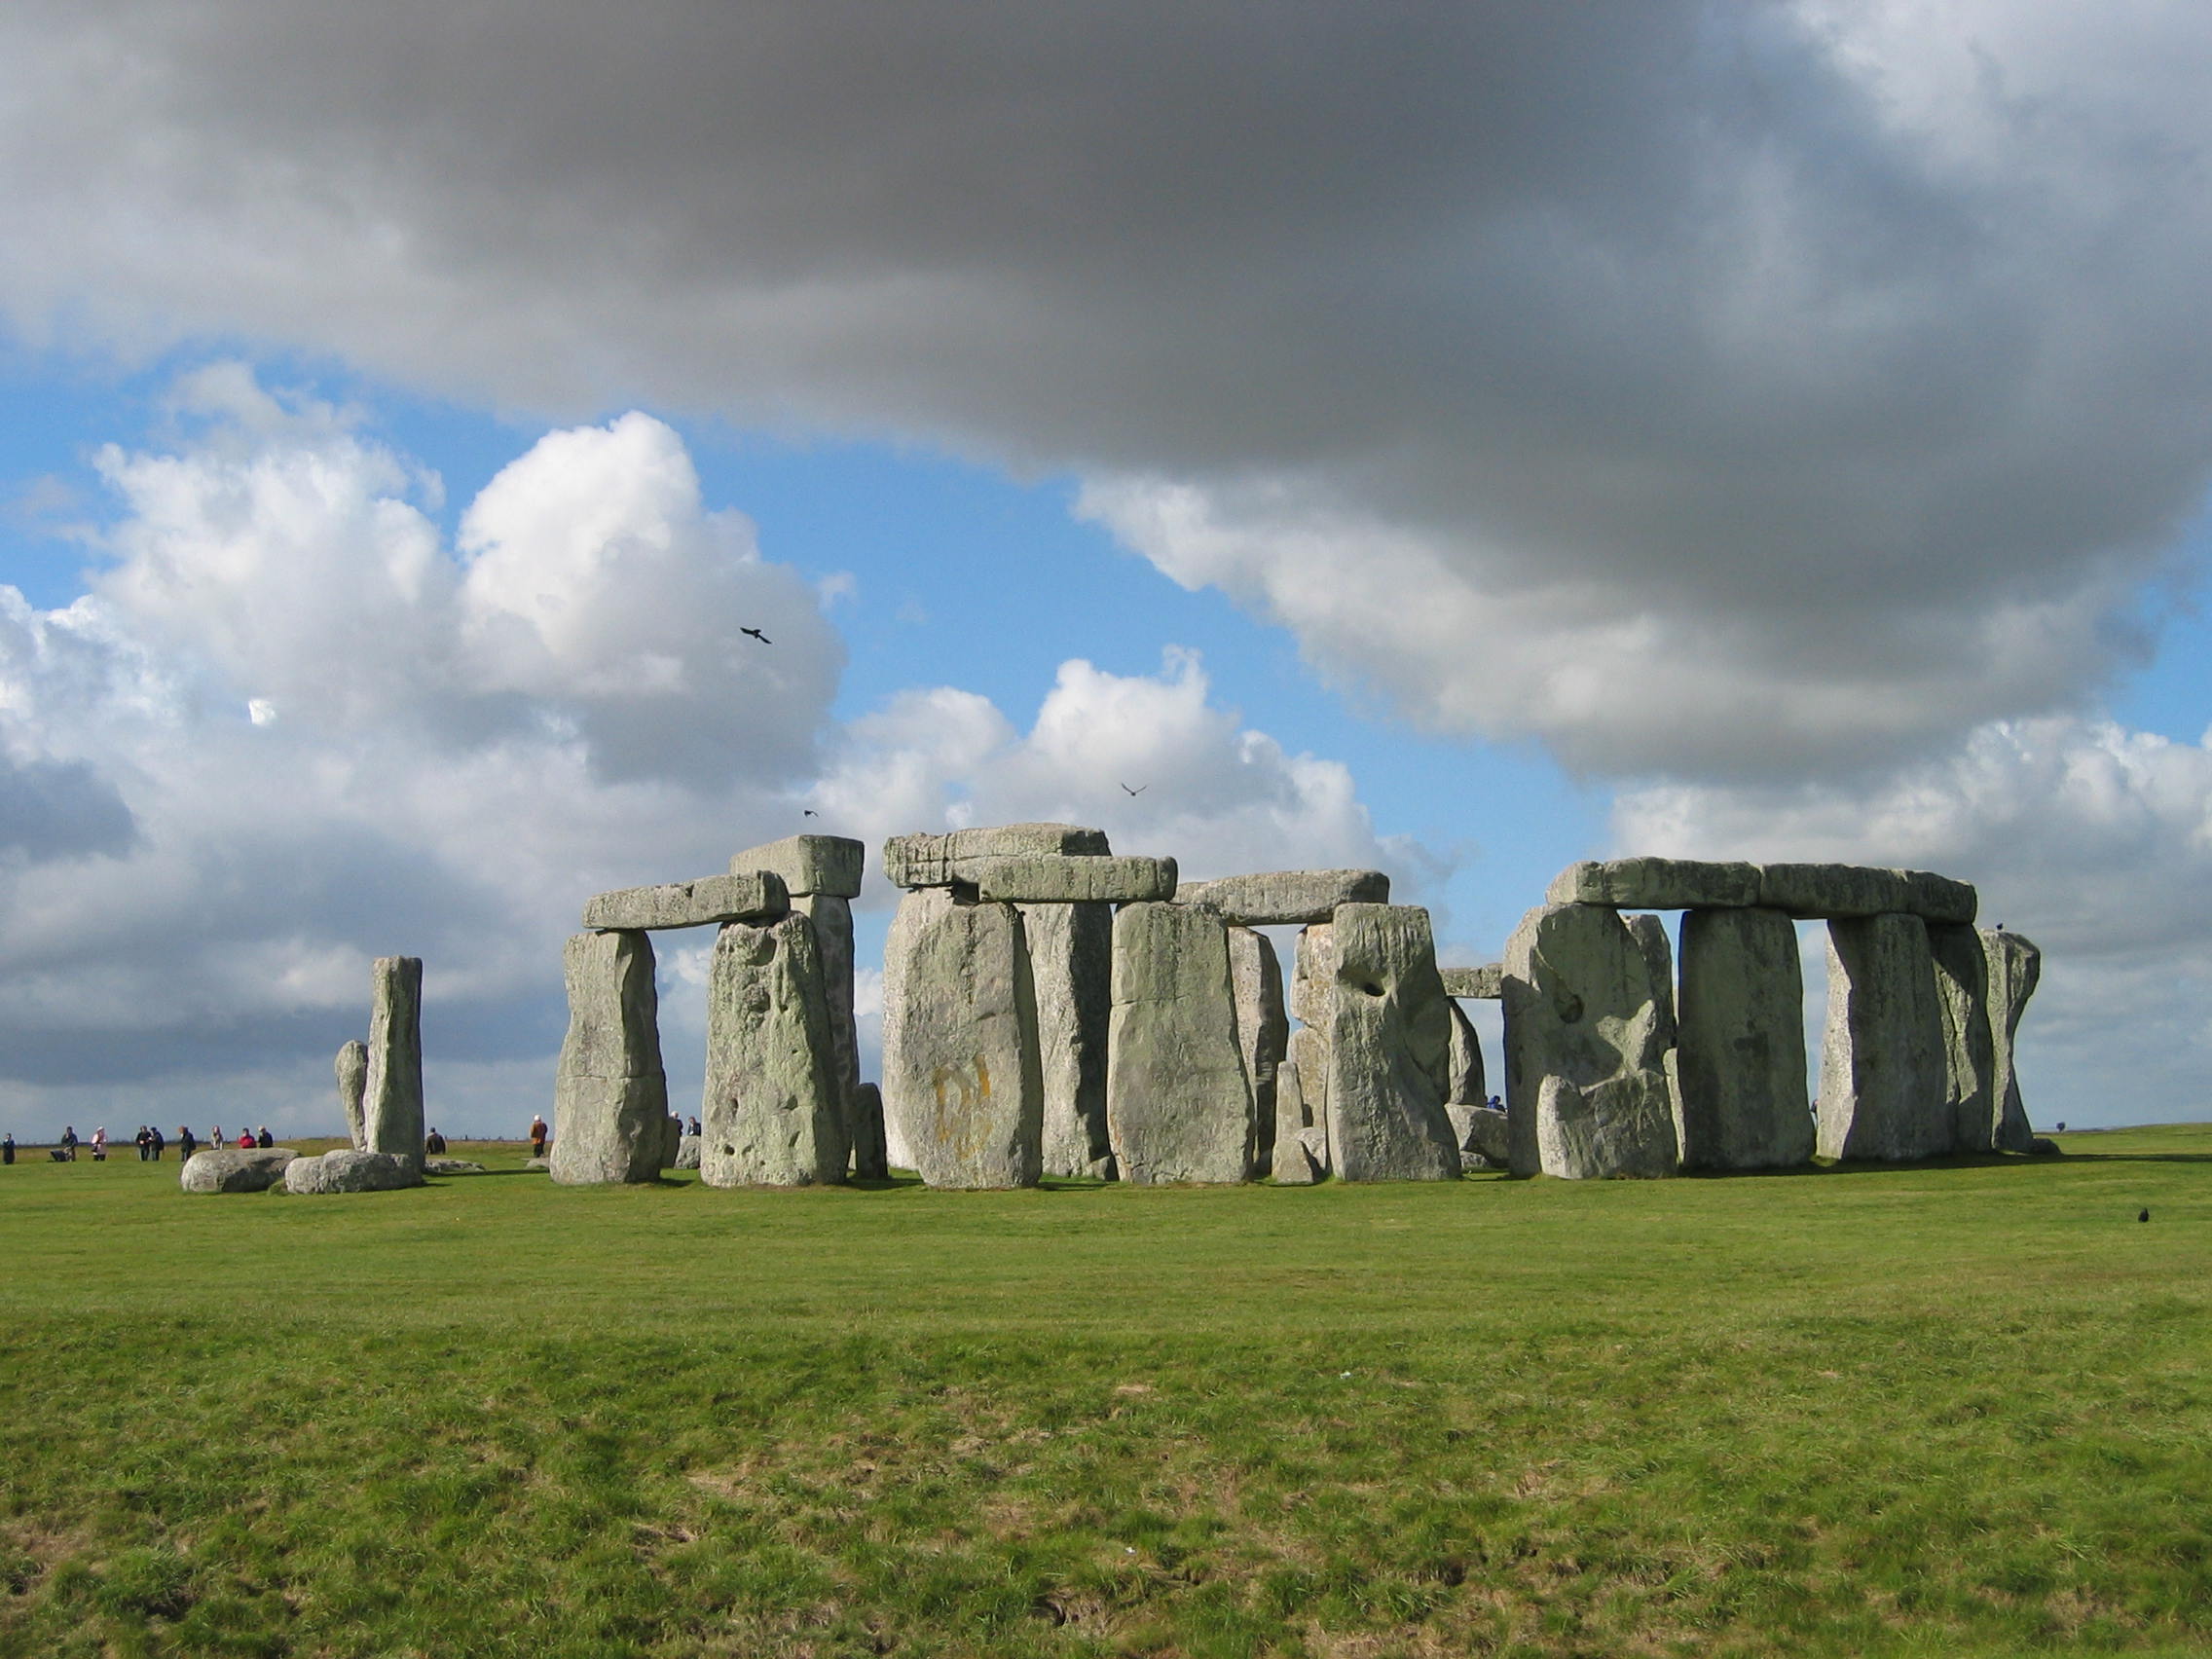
{"x":1285,"y":896}
{"x":1884,"y":1086}
{"x":774,"y":1113}
{"x":1050,"y":879}
{"x":1071,"y":974}
{"x":687,"y":1152}
{"x":1740,"y":1043}
{"x":808,"y":864}
{"x":1486,"y":1137}
{"x":1178,"y":1102}
{"x":1477,"y":985}
{"x":610,"y":1093}
{"x":935,"y":861}
{"x":963,"y":1086}
{"x":392,"y":1084}
{"x":349,"y":1172}
{"x":235,"y":1169}
{"x":2016,"y":967}
{"x":1586,"y":1082}
{"x":1389,"y":1042}
{"x":1655,"y":884}
{"x":453,"y":1167}
{"x":353,"y":1069}
{"x":711,"y":900}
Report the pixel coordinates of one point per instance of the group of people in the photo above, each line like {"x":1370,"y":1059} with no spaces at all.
{"x":152,"y":1143}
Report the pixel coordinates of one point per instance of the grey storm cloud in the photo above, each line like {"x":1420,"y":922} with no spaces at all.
{"x":58,"y":809}
{"x":1709,"y":389}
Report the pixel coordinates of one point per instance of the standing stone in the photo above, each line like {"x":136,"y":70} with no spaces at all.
{"x":1651,"y":938}
{"x":1071,"y":969}
{"x":670,"y":1141}
{"x":870,"y":1160}
{"x":773,"y":1114}
{"x":1390,"y":1038}
{"x":1742,"y":1043}
{"x":963,"y":1088}
{"x":2014,"y":966}
{"x":1463,"y":1081}
{"x":1586,"y":1085}
{"x":1884,"y":1086}
{"x":391,"y":1086}
{"x":610,"y":1094}
{"x":1962,"y":997}
{"x":832,"y":917}
{"x":1301,"y":1150}
{"x":352,"y":1068}
{"x":1262,"y":1029}
{"x":1178,"y":1102}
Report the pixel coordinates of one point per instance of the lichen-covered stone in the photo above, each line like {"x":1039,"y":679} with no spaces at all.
{"x":963,"y":1086}
{"x":392,"y":1085}
{"x":1262,"y":1029}
{"x":1042,"y":878}
{"x":754,"y":895}
{"x":1962,"y":996}
{"x":610,"y":1093}
{"x":1885,"y":1090}
{"x":1486,"y":1137}
{"x":1389,"y":1042}
{"x":1812,"y":892}
{"x":2015,"y":966}
{"x":773,"y":1113}
{"x":833,"y":919}
{"x":1464,"y":1082}
{"x":939,"y":860}
{"x":1740,"y":1043}
{"x":1178,"y":1102}
{"x":1282,"y":897}
{"x":1476,"y":984}
{"x":1586,"y":1082}
{"x":235,"y":1169}
{"x":349,"y":1172}
{"x":1655,"y":884}
{"x":872,"y":1161}
{"x":1301,"y":1153}
{"x":828,"y":865}
{"x":687,"y":1152}
{"x":353,"y":1069}
{"x":1071,"y":971}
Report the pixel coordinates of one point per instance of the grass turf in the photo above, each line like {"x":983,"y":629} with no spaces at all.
{"x":1956,"y":1409}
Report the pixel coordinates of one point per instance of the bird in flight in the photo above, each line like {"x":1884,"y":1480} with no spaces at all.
{"x":1140,"y":789}
{"x":756,"y":633}
{"x":808,"y":812}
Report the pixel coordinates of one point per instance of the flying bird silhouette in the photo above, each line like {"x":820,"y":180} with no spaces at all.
{"x":808,"y":812}
{"x":754,"y":633}
{"x":1140,"y":789}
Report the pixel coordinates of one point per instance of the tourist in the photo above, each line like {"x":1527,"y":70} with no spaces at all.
{"x":433,"y":1144}
{"x":100,"y":1144}
{"x":186,"y":1144}
{"x":8,"y":1147}
{"x":245,"y":1140}
{"x":216,"y":1139}
{"x":693,"y":1131}
{"x":153,"y":1143}
{"x":265,"y":1138}
{"x":69,"y":1143}
{"x":537,"y":1132}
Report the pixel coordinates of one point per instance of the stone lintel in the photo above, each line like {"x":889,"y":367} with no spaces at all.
{"x":758,"y":897}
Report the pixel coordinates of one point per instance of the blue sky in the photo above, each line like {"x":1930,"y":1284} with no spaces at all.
{"x":1776,"y":435}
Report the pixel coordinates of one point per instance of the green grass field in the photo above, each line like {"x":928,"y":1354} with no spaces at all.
{"x":1952,"y":1410}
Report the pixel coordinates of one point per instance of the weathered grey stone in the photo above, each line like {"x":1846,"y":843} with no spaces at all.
{"x":1832,"y":892}
{"x":1478,"y":984}
{"x":1301,"y":1153}
{"x":1464,"y":1084}
{"x":1283,"y":897}
{"x":1742,"y":1043}
{"x":1655,"y":884}
{"x":1263,"y":1029}
{"x":391,"y":1087}
{"x":353,"y":1069}
{"x":2015,"y":966}
{"x":946,"y":860}
{"x":1042,"y":878}
{"x":687,"y":1152}
{"x":453,"y":1167}
{"x":773,"y":1114}
{"x":610,"y":1094}
{"x":1586,"y":1083}
{"x":671,"y":1140}
{"x":349,"y":1172}
{"x":830,"y":866}
{"x":1650,"y":933}
{"x":1962,"y":996}
{"x":833,"y":919}
{"x":1936,"y":897}
{"x":540,"y":1166}
{"x":870,"y":1160}
{"x":235,"y":1169}
{"x":963,"y":1088}
{"x":1390,"y":1038}
{"x":1884,"y":1086}
{"x":752,"y":897}
{"x":1178,"y":1103}
{"x":1485,"y":1137}
{"x":1071,"y":970}
{"x":1312,"y":982}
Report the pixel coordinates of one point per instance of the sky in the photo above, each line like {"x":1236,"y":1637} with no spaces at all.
{"x":1453,"y":439}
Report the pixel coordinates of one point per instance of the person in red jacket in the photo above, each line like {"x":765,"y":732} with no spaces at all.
{"x":245,"y":1139}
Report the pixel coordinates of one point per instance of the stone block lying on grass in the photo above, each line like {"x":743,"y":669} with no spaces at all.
{"x":348,"y":1171}
{"x":452,"y":1166}
{"x":235,"y":1169}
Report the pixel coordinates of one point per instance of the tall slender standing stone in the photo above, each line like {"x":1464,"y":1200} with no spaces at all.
{"x":1071,"y":968}
{"x":1962,"y":995}
{"x":963,"y":1088}
{"x":1262,"y":1029}
{"x":773,"y":1113}
{"x":352,"y":1068}
{"x":1464,"y":1081}
{"x":1741,"y":1042}
{"x":1650,"y":933}
{"x":2015,"y":966}
{"x":1389,"y":1042}
{"x":1178,"y":1103}
{"x":1885,"y":1089}
{"x":831,"y":914}
{"x":1586,"y":1083}
{"x":392,"y":1091}
{"x":871,"y":1160}
{"x":610,"y":1093}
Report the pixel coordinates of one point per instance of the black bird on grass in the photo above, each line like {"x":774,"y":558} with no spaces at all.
{"x":756,"y":634}
{"x":2143,"y":1215}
